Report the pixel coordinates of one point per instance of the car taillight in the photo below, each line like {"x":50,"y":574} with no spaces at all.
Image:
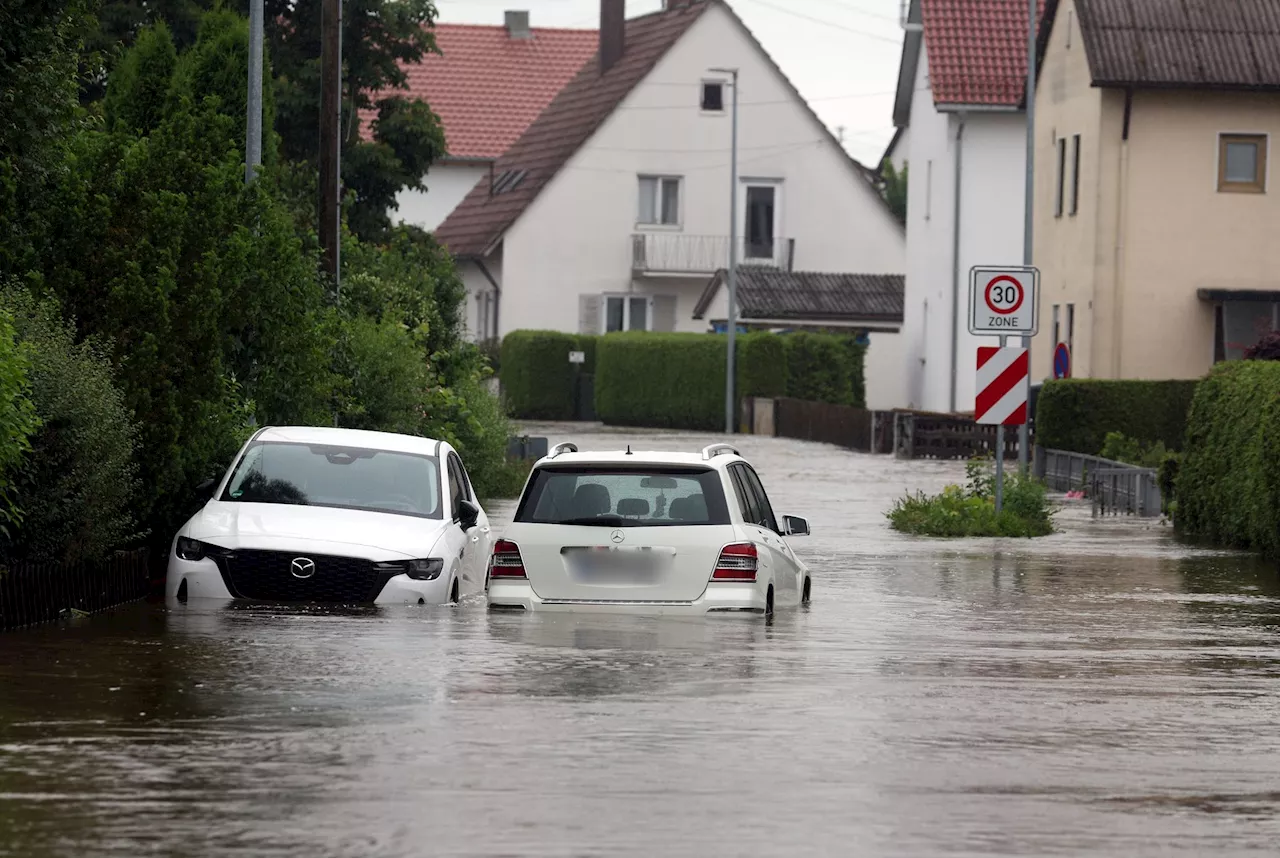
{"x":506,"y":561}
{"x":737,"y":563}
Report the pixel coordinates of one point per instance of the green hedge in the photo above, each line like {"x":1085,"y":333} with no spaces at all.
{"x":676,"y":381}
{"x":1228,"y":488}
{"x":537,"y":378}
{"x":1077,"y":414}
{"x":825,"y":368}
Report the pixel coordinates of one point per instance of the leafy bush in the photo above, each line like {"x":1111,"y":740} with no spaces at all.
{"x":537,"y":378}
{"x":1228,"y":487}
{"x":677,"y":380}
{"x":1077,"y":414}
{"x":18,"y":420}
{"x":79,"y":483}
{"x":970,"y":510}
{"x":1267,"y":348}
{"x":818,"y":369}
{"x":1119,"y":447}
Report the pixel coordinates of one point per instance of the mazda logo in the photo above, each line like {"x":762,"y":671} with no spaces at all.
{"x":618,"y":536}
{"x":302,"y":567}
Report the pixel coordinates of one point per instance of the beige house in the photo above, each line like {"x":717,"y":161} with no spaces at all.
{"x":1157,"y":228}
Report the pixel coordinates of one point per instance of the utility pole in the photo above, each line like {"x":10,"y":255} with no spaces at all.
{"x":330,"y":135}
{"x":253,"y":123}
{"x":1028,"y":213}
{"x":729,"y":379}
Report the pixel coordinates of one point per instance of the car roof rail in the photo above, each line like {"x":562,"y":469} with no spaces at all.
{"x":714,"y":450}
{"x":563,"y":447}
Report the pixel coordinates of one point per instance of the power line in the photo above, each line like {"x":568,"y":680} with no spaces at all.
{"x":867,"y":33}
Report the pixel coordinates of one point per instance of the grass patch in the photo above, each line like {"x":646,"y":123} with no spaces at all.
{"x":970,"y":510}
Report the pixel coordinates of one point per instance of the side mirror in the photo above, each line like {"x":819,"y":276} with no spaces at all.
{"x":795,"y":526}
{"x":205,"y":490}
{"x":468,"y":514}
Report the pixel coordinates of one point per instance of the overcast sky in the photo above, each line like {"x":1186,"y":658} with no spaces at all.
{"x":841,"y":54}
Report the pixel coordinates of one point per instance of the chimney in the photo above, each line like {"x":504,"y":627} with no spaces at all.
{"x":518,"y":24}
{"x":613,"y":32}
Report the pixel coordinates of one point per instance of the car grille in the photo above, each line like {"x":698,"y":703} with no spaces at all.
{"x":268,"y":576}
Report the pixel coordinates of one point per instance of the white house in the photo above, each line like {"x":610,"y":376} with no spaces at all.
{"x":612,"y":211}
{"x":959,"y":110}
{"x":487,"y":84}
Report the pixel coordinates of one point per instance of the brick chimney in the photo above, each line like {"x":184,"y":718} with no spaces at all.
{"x":613,"y":32}
{"x":518,"y":24}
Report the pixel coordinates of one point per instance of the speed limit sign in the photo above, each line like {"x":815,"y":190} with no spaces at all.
{"x":1004,"y":300}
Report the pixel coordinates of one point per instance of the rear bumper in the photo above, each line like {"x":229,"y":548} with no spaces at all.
{"x":717,"y":598}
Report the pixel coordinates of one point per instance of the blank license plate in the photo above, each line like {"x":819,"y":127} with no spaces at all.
{"x":614,"y":565}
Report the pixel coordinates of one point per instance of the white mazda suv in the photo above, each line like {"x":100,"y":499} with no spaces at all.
{"x":334,"y":516}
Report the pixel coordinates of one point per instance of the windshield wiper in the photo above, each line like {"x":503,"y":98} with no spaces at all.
{"x":596,"y":521}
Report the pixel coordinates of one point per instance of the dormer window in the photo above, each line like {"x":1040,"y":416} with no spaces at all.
{"x":713,"y":96}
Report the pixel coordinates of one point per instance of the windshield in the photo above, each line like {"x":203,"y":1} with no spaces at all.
{"x":611,"y":496}
{"x":335,"y":476}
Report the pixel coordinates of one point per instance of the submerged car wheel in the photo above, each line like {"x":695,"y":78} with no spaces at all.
{"x":768,"y":602}
{"x":453,"y":594}
{"x":807,"y":585}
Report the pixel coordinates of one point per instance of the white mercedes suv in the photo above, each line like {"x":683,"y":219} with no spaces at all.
{"x":668,"y":533}
{"x":335,"y":516}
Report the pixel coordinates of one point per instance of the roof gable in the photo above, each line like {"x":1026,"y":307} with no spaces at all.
{"x":977,"y":51}
{"x":487,"y":87}
{"x":1205,"y":44}
{"x":561,"y":129}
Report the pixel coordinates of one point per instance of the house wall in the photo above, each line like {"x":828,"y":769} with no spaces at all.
{"x":1153,"y":228}
{"x":481,"y":297}
{"x":446,"y":185}
{"x":575,"y":238}
{"x":991,"y":225}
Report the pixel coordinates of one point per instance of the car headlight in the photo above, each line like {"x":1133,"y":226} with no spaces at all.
{"x":418,"y":570}
{"x":190,"y":549}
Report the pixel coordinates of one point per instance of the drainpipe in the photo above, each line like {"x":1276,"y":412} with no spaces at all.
{"x":1122,"y":215}
{"x":955,"y":264}
{"x":497,"y":295}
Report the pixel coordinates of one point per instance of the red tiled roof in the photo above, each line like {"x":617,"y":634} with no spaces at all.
{"x":487,"y":87}
{"x":977,"y":50}
{"x":558,"y":132}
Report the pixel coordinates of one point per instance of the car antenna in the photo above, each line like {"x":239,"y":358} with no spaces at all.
{"x":628,"y":449}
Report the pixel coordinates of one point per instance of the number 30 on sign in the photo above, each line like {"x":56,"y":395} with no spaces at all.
{"x":1004,"y":300}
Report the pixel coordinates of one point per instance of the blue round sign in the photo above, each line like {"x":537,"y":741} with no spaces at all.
{"x":1061,"y":361}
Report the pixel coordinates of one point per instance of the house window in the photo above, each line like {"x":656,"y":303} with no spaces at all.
{"x":713,"y":96}
{"x":760,"y":229}
{"x":659,"y":201}
{"x":1242,"y":163}
{"x":1075,"y":173}
{"x":928,"y":190}
{"x":1071,"y":330}
{"x":1057,"y":327}
{"x":1060,"y":182}
{"x":626,"y":313}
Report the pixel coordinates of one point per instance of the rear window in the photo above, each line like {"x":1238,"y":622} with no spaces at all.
{"x":612,"y":496}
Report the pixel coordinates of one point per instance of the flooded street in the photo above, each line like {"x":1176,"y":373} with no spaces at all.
{"x":1104,"y":691}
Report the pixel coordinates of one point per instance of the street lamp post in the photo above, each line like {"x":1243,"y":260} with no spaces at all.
{"x":253,"y":124}
{"x":732,"y":321}
{"x":1028,"y":211}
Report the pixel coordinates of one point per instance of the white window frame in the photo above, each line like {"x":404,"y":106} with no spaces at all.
{"x":1060,"y":175}
{"x":1218,"y":174}
{"x":724,"y":96}
{"x":626,"y":298}
{"x":660,"y":181}
{"x":744,"y":213}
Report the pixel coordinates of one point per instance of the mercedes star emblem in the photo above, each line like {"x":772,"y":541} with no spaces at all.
{"x":617,"y":536}
{"x":302,"y":567}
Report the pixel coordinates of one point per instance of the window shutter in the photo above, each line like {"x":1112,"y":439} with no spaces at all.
{"x":664,"y":313}
{"x":589,"y":314}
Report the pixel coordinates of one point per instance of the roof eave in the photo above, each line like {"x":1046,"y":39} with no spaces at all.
{"x":1188,"y":86}
{"x":907,"y":68}
{"x":962,"y":107}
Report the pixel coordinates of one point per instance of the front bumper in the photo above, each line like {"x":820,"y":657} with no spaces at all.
{"x":204,"y":581}
{"x":717,"y":598}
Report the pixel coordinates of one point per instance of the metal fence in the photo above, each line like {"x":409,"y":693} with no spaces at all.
{"x":921,"y":435}
{"x":1114,"y":488}
{"x":36,"y":593}
{"x":842,"y":425}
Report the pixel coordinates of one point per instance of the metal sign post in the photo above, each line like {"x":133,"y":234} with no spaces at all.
{"x":1004,"y":301}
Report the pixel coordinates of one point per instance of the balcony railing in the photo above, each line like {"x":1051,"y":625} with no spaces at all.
{"x":677,"y":253}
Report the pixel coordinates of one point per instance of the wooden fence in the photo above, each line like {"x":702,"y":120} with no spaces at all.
{"x":841,"y":425}
{"x":922,"y":435}
{"x":36,"y":593}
